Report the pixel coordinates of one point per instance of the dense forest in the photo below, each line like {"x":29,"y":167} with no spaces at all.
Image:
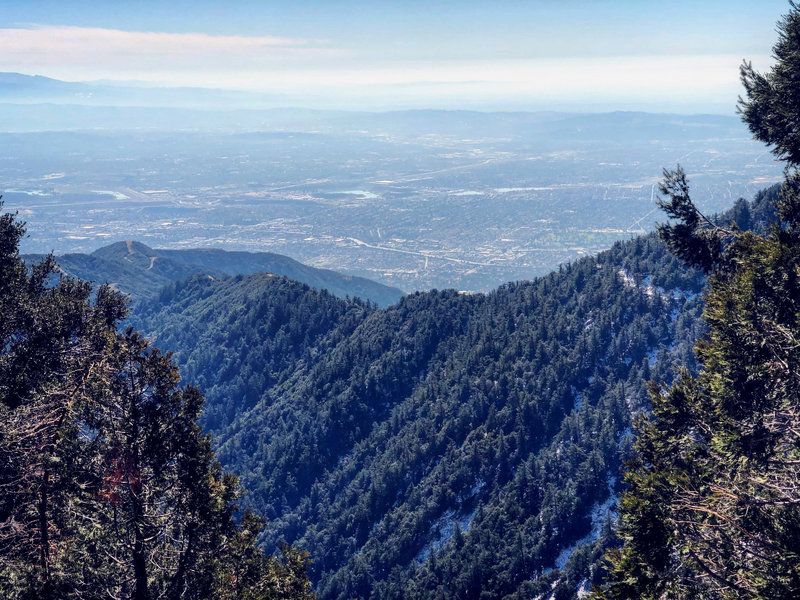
{"x":452,"y":445}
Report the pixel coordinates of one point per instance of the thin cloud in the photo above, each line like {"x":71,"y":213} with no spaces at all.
{"x":96,"y":49}
{"x":314,"y":68}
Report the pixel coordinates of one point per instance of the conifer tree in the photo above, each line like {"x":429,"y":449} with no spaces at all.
{"x":108,"y":486}
{"x":713,"y":504}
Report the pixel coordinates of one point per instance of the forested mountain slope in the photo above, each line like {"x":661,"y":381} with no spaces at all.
{"x":375,"y":430}
{"x":141,"y":271}
{"x":451,"y":445}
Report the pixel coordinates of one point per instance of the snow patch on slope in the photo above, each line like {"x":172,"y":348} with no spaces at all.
{"x":600,"y":511}
{"x":442,"y":530}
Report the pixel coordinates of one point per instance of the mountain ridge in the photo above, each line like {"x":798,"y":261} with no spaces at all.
{"x":36,"y":103}
{"x":397,"y":422}
{"x":468,"y":439}
{"x":141,"y":271}
{"x":400,"y":444}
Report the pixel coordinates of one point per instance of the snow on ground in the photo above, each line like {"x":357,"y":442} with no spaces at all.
{"x":599,"y":513}
{"x":552,"y":587}
{"x":442,"y":530}
{"x":651,"y":290}
{"x":479,"y":485}
{"x":626,"y":278}
{"x":578,"y":399}
{"x":652,"y":356}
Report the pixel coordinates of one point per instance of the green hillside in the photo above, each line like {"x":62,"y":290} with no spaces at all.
{"x":141,"y":271}
{"x":468,"y":439}
{"x":365,"y":434}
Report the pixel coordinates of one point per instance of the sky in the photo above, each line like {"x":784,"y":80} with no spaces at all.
{"x":653,"y":55}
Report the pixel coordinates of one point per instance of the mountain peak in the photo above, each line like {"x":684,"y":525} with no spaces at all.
{"x":124,"y":250}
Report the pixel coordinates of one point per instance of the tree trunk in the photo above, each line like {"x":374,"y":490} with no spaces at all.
{"x":139,"y":567}
{"x":44,"y":533}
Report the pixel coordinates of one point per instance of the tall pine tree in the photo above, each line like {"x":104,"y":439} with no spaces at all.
{"x":713,"y":504}
{"x":108,"y":486}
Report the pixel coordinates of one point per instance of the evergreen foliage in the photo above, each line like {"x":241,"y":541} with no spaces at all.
{"x":108,"y":487}
{"x":713,"y":505}
{"x":450,"y":446}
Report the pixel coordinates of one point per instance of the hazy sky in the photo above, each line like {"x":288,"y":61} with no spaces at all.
{"x":640,"y":54}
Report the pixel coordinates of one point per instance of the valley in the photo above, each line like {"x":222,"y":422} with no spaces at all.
{"x":415,"y":200}
{"x":399,"y":301}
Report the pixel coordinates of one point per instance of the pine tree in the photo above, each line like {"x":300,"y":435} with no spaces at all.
{"x":108,"y":486}
{"x":51,"y":337}
{"x":713,"y":504}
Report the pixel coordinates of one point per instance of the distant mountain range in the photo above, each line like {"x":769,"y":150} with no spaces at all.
{"x":449,"y":445}
{"x":141,"y":271}
{"x":35,"y":103}
{"x":17,"y":87}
